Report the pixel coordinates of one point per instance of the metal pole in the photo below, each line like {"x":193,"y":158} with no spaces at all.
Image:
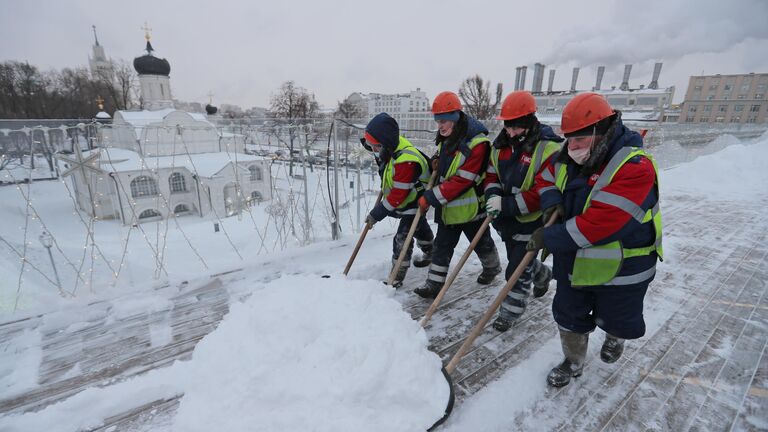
{"x":55,"y":272}
{"x":359,"y":190}
{"x":336,"y":227}
{"x":306,"y":195}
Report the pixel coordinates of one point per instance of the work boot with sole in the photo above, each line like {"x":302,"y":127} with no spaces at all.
{"x":488,"y":275}
{"x":575,"y":350}
{"x":612,"y":349}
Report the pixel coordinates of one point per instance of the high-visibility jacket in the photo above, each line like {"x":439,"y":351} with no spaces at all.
{"x":542,"y":151}
{"x":600,"y":264}
{"x":405,"y":152}
{"x":468,"y":205}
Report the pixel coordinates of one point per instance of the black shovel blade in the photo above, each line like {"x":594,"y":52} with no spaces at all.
{"x":449,"y":407}
{"x":326,"y":276}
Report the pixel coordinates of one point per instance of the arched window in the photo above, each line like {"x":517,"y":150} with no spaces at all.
{"x":149,"y":214}
{"x":255,"y":173}
{"x":143,"y":186}
{"x":181,"y":209}
{"x":178,"y":184}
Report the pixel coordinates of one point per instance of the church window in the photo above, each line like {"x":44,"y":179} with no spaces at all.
{"x":181,"y":209}
{"x":255,"y":173}
{"x":151,"y":213}
{"x":162,"y":90}
{"x":255,"y":198}
{"x":143,"y":186}
{"x":178,"y":184}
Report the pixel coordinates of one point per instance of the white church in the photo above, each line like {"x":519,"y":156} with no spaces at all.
{"x":161,"y":162}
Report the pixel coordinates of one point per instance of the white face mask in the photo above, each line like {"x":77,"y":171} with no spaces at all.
{"x":580,"y":156}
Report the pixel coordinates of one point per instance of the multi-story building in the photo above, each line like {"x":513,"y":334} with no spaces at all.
{"x":738,"y":98}
{"x":411,"y":110}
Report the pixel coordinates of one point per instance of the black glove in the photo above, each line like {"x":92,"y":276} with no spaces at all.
{"x":537,"y":240}
{"x":547,"y":213}
{"x":370,"y":220}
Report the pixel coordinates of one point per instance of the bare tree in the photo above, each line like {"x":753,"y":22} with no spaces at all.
{"x":476,"y":95}
{"x":293,"y":106}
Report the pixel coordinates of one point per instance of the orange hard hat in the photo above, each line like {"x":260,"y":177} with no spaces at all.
{"x":446,"y":102}
{"x":517,"y":104}
{"x":584,"y":110}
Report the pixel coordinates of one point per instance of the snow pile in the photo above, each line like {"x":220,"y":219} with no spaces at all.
{"x":736,"y":172}
{"x":307,"y":353}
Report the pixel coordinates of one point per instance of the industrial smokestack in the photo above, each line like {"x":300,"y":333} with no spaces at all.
{"x":625,"y":81}
{"x":599,"y":82}
{"x":655,"y":79}
{"x":551,"y":80}
{"x":523,"y":70}
{"x":517,"y":78}
{"x":538,"y":77}
{"x":574,"y":79}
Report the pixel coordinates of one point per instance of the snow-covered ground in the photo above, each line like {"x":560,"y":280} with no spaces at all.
{"x":299,"y":352}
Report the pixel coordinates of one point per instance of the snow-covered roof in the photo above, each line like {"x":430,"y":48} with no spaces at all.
{"x":140,"y":119}
{"x":202,"y":164}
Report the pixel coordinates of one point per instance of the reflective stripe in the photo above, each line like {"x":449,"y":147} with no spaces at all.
{"x":492,"y":185}
{"x":407,"y":212}
{"x":461,"y":202}
{"x":521,"y":237}
{"x":400,"y":185}
{"x":521,"y":205}
{"x":613,"y":165}
{"x":439,"y":195}
{"x":517,"y":295}
{"x":514,"y":190}
{"x":435,"y":267}
{"x":598,"y":253}
{"x":387,"y":205}
{"x":576,"y":235}
{"x":546,"y":189}
{"x":466,"y":174}
{"x":490,"y":169}
{"x":622,"y":203}
{"x":514,"y":309}
{"x":547,"y":175}
{"x":436,"y":278}
{"x":633,"y":279}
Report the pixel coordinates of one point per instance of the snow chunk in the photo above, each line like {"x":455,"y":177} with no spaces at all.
{"x":307,"y":353}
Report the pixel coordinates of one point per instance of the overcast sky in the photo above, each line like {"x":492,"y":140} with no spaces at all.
{"x":242,"y":50}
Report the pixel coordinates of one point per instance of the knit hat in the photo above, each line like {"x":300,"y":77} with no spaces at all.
{"x":524,"y":122}
{"x":599,"y":128}
{"x":449,"y":116}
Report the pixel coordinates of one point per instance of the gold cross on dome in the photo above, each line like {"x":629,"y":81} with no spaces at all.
{"x":100,"y":102}
{"x":146,"y":29}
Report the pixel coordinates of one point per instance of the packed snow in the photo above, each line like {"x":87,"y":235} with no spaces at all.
{"x":297,"y":351}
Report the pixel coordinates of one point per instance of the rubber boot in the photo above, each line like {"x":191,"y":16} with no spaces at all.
{"x":430,"y":289}
{"x":400,"y":276}
{"x":426,"y":257}
{"x":612,"y":349}
{"x":541,"y":279}
{"x":574,"y":349}
{"x":501,"y":324}
{"x":488,"y":275}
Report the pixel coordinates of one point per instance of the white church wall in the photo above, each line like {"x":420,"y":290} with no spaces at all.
{"x":178,"y":133}
{"x":155,"y":92}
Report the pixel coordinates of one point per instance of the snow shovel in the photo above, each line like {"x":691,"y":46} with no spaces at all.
{"x":452,"y":277}
{"x":359,"y":243}
{"x":448,"y":370}
{"x":409,"y":237}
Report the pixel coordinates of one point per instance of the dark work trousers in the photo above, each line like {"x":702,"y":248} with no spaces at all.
{"x":423,"y":236}
{"x":446,"y":240}
{"x":616,"y":309}
{"x":517,"y":299}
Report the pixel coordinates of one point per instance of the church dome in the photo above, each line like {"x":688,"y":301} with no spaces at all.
{"x":210,"y":109}
{"x":148,"y":64}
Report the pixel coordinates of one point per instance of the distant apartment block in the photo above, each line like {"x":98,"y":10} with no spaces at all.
{"x":411,"y":110}
{"x":726,"y":99}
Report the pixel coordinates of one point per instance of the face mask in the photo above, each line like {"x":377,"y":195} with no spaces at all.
{"x":579,"y":156}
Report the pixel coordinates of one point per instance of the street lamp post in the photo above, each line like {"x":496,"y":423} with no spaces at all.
{"x":47,"y":241}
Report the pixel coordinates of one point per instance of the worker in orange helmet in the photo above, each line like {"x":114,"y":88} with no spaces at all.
{"x":461,"y":159}
{"x":521,"y":150}
{"x":606,"y":248}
